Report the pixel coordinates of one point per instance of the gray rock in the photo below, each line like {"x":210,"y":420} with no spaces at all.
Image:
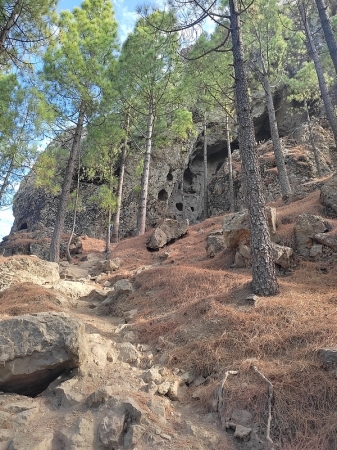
{"x":128,"y":352}
{"x":316,"y":251}
{"x":242,"y":432}
{"x":329,"y":193}
{"x":28,"y":268}
{"x":306,"y":227}
{"x":36,"y":349}
{"x":110,"y":429}
{"x":168,"y":231}
{"x":163,"y":388}
{"x":282,"y":255}
{"x":123,"y":287}
{"x":109,"y":265}
{"x":215,"y":243}
{"x":133,"y":436}
{"x":328,"y":239}
{"x":328,"y":356}
{"x":81,"y":435}
{"x":242,"y":417}
{"x":100,"y":396}
{"x":152,"y":375}
{"x":236,"y":227}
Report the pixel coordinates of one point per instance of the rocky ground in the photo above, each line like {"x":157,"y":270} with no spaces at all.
{"x":168,"y":349}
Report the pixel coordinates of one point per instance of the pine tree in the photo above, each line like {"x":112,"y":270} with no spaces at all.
{"x":267,"y":49}
{"x":75,"y":71}
{"x":149,"y":69}
{"x":24,"y":28}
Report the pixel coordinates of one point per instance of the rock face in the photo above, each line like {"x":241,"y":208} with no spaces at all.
{"x":26,"y":268}
{"x":329,"y":194}
{"x":306,"y":227}
{"x":176,"y":179}
{"x":35,"y":350}
{"x":167,"y":232}
{"x":236,"y":227}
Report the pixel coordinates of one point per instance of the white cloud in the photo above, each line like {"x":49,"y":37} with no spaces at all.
{"x":6,"y":222}
{"x":126,"y":21}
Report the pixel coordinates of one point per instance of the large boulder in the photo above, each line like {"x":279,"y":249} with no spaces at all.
{"x":36,"y":349}
{"x":21,"y":269}
{"x":236,"y":227}
{"x":329,"y":193}
{"x":168,"y":231}
{"x":215,"y":243}
{"x":306,"y":227}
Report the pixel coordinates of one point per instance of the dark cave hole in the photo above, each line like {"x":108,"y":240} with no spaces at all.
{"x":192,"y":209}
{"x":169,"y":176}
{"x":162,"y":195}
{"x":179,"y":206}
{"x":37,"y":382}
{"x":188,"y":176}
{"x":23,"y":226}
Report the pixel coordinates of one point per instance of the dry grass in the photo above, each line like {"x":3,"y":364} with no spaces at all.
{"x":195,"y":310}
{"x":36,"y":299}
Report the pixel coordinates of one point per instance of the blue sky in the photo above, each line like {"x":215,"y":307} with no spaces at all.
{"x":126,"y":18}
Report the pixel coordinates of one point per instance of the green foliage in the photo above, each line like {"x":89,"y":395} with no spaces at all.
{"x":25,"y":25}
{"x":304,"y":86}
{"x":105,"y":199}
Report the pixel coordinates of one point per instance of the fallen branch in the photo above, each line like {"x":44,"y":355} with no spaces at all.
{"x":221,"y":392}
{"x":270,"y":397}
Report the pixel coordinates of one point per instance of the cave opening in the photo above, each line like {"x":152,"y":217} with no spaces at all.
{"x":169,"y":176}
{"x":162,"y":195}
{"x":33,"y":384}
{"x":179,"y":206}
{"x":23,"y":226}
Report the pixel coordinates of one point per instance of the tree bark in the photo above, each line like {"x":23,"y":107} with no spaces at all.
{"x":108,"y":234}
{"x":264,"y":280}
{"x":312,"y":142}
{"x":121,"y":181}
{"x":275,"y":137}
{"x":146,"y":171}
{"x":205,"y":169}
{"x":6,"y":179}
{"x":54,"y":254}
{"x":320,"y":73}
{"x":230,"y":170}
{"x":328,"y":32}
{"x":68,"y":255}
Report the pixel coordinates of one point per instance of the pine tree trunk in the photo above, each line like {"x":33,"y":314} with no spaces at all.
{"x":230,"y":170}
{"x":108,"y":234}
{"x":6,"y":180}
{"x":54,"y":254}
{"x":68,"y":255}
{"x":312,"y":141}
{"x":264,"y":280}
{"x":205,"y":170}
{"x":328,"y":31}
{"x":146,"y":172}
{"x":279,"y":158}
{"x":183,"y":195}
{"x":121,"y":182}
{"x":320,"y":74}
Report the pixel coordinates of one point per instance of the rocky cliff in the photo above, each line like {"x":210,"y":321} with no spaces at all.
{"x":176,"y":176}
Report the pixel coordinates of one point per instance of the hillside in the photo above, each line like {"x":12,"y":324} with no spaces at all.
{"x":193,"y":318}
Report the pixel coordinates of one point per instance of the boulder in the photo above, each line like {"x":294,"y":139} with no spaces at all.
{"x":122,"y":287}
{"x":328,"y":239}
{"x":36,"y":349}
{"x":282,"y":255}
{"x":215,"y":243}
{"x":236,"y":227}
{"x":306,"y":227}
{"x":167,"y":232}
{"x":329,"y":193}
{"x":328,"y":356}
{"x":109,"y":265}
{"x":20,"y":269}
